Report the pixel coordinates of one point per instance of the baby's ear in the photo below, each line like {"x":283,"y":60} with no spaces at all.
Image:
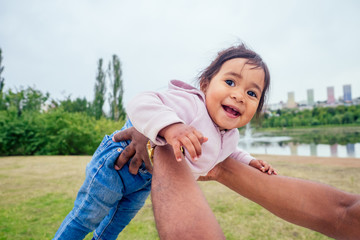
{"x":204,"y":84}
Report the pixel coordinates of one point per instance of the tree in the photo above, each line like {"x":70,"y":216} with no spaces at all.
{"x":2,"y":82}
{"x":100,"y":89}
{"x":30,"y":100}
{"x":348,"y":117}
{"x":34,"y":99}
{"x":117,"y":111}
{"x":14,"y":101}
{"x":77,"y":105}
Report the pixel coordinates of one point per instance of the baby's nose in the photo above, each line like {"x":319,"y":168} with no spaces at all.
{"x":238,"y":96}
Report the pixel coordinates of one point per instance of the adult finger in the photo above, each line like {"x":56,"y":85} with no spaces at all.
{"x":148,"y":165}
{"x":123,"y":135}
{"x":209,"y":177}
{"x":125,"y":156}
{"x":144,"y":155}
{"x":134,"y":165}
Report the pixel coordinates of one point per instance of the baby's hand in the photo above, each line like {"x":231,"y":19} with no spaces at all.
{"x":181,"y":135}
{"x":263,"y":166}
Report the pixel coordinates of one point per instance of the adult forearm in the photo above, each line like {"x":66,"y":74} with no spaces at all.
{"x":180,"y":209}
{"x":305,"y":203}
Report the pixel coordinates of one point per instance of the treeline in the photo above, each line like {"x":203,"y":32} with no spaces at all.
{"x":338,"y":115}
{"x":53,"y":133}
{"x":31,"y":123}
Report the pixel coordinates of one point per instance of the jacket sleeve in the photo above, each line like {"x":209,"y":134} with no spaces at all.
{"x":242,"y":156}
{"x":150,"y":112}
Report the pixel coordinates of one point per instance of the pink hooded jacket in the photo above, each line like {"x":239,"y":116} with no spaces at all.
{"x":150,"y":112}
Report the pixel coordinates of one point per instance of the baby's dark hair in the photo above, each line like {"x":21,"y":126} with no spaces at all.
{"x":239,"y":51}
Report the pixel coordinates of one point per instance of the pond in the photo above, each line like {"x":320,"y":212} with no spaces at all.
{"x":324,"y":142}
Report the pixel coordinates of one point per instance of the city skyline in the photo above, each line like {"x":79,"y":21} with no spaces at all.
{"x":345,"y":94}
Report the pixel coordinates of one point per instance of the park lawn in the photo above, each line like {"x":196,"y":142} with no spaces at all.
{"x":37,"y":192}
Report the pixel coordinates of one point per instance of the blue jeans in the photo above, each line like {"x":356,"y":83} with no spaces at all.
{"x":108,"y":199}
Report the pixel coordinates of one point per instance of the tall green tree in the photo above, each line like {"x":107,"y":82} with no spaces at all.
{"x":30,"y":100}
{"x":117,"y":111}
{"x":100,"y":89}
{"x":2,"y":82}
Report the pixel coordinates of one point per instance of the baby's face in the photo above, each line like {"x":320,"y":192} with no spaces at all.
{"x":233,"y":94}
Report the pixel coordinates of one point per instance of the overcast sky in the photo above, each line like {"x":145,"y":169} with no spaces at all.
{"x":55,"y":45}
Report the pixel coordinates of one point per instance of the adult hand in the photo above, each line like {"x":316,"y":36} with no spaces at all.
{"x":213,"y":174}
{"x":136,"y":152}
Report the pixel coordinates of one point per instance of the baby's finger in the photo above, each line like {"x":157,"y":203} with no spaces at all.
{"x":260,"y":165}
{"x":200,"y":137}
{"x":265,"y":164}
{"x":272,"y":171}
{"x":197,"y":146}
{"x":177,"y":150}
{"x":256,"y":164}
{"x":186,"y":143}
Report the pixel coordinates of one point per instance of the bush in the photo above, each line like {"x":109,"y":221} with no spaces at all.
{"x":315,"y":122}
{"x":53,"y":133}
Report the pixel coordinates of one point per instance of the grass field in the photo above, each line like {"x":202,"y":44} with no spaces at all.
{"x":36,"y":193}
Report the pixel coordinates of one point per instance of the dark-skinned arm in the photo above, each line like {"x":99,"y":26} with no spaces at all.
{"x":316,"y":206}
{"x":180,"y":208}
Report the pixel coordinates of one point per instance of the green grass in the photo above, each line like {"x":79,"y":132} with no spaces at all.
{"x":36,"y":193}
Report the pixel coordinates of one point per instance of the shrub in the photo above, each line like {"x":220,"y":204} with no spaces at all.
{"x":54,"y":133}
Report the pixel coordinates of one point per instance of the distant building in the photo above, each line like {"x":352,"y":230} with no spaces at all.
{"x":330,"y":95}
{"x":356,"y":101}
{"x":275,"y":106}
{"x":310,"y":97}
{"x":347,"y":93}
{"x":291,"y":100}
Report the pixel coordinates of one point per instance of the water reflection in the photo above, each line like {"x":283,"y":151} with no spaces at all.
{"x":350,"y":149}
{"x":313,"y":149}
{"x":301,"y":149}
{"x":333,"y":150}
{"x":284,"y":145}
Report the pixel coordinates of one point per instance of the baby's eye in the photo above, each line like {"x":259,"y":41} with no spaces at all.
{"x":251,"y":93}
{"x":230,"y":83}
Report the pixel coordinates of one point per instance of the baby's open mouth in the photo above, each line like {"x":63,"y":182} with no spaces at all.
{"x":231,"y":111}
